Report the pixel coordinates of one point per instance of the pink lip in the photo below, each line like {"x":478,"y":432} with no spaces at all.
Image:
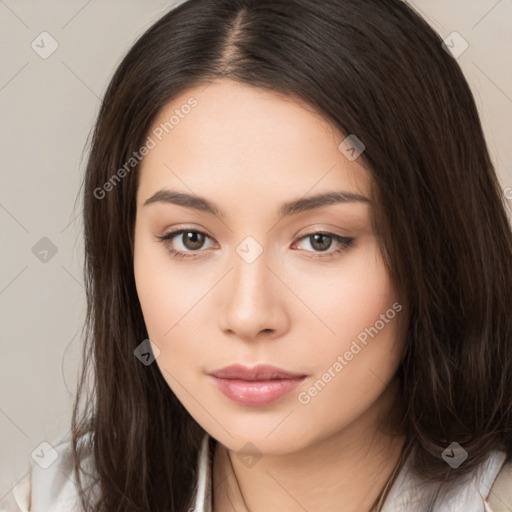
{"x":260,"y":385}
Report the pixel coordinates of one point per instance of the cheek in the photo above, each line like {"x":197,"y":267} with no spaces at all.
{"x":352,"y":376}
{"x":164,"y":293}
{"x":168,"y":298}
{"x":150,"y":281}
{"x":357,"y":358}
{"x":350,"y":299}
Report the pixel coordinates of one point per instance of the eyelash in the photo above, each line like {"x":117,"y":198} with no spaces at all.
{"x":345,"y":243}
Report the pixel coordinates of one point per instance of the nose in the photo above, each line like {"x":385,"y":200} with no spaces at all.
{"x":253,"y":301}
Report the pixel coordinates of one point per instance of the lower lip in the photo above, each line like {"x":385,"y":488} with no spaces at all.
{"x":257,"y":392}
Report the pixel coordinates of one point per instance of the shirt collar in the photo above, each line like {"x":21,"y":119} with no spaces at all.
{"x":407,"y":492}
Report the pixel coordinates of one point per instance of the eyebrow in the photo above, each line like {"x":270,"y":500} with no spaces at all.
{"x":289,"y":208}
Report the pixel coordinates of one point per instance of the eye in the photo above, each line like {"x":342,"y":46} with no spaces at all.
{"x":191,"y":239}
{"x":321,"y":242}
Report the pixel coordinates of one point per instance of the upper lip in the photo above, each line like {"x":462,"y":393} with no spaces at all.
{"x":260,"y":372}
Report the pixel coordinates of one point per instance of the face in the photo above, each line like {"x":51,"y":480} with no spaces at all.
{"x":238,"y":277}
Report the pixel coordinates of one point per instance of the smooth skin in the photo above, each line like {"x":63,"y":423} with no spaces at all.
{"x":299,"y":305}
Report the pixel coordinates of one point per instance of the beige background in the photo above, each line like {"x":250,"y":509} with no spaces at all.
{"x":47,"y":107}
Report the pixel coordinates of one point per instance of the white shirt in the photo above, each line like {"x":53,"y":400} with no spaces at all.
{"x":53,"y":489}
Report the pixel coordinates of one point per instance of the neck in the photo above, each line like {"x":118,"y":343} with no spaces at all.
{"x":346,"y":470}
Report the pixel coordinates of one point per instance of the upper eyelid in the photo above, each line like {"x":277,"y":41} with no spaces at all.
{"x":179,"y":231}
{"x":175,"y":233}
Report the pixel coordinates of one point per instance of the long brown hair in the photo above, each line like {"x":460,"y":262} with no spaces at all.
{"x":374,"y":68}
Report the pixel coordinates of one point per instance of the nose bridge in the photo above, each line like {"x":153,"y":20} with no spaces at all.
{"x":252,"y":302}
{"x":251,"y":277}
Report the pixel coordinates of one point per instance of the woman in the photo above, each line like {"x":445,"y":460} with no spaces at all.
{"x":298,"y":269}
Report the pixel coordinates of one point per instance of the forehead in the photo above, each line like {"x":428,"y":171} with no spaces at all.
{"x":229,"y":136}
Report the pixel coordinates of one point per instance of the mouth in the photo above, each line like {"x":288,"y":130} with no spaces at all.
{"x":255,"y":373}
{"x":257,"y":386}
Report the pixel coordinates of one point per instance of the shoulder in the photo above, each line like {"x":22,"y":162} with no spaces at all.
{"x":49,"y":483}
{"x":487,"y":488}
{"x":500,"y":495}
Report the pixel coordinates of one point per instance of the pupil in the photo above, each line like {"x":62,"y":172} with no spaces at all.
{"x":193,"y":240}
{"x":323,"y":246}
